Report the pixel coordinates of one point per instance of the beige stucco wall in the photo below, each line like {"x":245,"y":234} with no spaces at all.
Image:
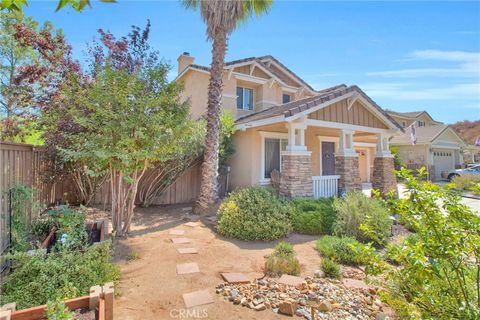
{"x":415,"y":154}
{"x":265,"y":95}
{"x":246,"y":163}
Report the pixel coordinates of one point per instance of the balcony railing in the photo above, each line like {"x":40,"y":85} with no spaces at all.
{"x":325,"y":186}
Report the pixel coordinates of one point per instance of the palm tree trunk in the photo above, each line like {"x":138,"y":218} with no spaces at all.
{"x":209,"y":184}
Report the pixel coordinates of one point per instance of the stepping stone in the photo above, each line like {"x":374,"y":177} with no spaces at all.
{"x":187,"y":250}
{"x":186,"y":268}
{"x":234,"y":277}
{"x":180,"y":240}
{"x":355,"y":284}
{"x":290,"y":280}
{"x":187,"y":209}
{"x":192,"y":224}
{"x":176,"y":232}
{"x":197,"y":298}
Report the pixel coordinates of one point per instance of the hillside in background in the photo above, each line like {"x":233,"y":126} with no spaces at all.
{"x":468,"y":130}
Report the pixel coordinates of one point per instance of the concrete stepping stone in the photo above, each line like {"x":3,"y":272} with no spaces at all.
{"x":180,"y":240}
{"x":176,"y":232}
{"x":290,"y":280}
{"x":212,"y":218}
{"x":197,"y":298}
{"x":192,"y":224}
{"x":187,"y":250}
{"x":186,"y":268}
{"x":234,"y":277}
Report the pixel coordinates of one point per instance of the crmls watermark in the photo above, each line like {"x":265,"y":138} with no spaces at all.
{"x":189,"y":314}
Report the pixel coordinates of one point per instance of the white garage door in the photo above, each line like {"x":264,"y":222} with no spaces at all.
{"x":443,"y":160}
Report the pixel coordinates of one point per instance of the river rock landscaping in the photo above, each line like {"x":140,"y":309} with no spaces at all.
{"x":330,"y":298}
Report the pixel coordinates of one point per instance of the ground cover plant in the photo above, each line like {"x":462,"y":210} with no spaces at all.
{"x":63,"y":274}
{"x":343,"y":250}
{"x":282,"y":261}
{"x":254,"y":213}
{"x":363,"y":218}
{"x":330,"y":268}
{"x":439,"y":273}
{"x":314,"y":217}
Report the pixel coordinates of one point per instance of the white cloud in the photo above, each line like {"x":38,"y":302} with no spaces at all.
{"x":415,"y":92}
{"x":467,"y":65}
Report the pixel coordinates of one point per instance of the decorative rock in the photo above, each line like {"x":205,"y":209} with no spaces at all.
{"x":287,"y":308}
{"x":260,"y":307}
{"x":237,"y":300}
{"x":380,"y":316}
{"x":325,"y":306}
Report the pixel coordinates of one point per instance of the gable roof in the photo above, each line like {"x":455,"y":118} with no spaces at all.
{"x":292,"y":108}
{"x":425,"y":135}
{"x":410,"y":115}
{"x":263,"y":61}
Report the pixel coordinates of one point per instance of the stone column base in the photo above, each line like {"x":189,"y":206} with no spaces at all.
{"x":296,"y":178}
{"x":384,"y":178}
{"x":347,"y":168}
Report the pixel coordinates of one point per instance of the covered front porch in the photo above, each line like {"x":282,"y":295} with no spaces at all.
{"x":319,"y":152}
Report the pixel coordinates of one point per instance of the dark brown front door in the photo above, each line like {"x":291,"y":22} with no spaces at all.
{"x":328,"y":158}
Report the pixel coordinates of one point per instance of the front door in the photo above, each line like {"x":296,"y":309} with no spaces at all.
{"x":328,"y":158}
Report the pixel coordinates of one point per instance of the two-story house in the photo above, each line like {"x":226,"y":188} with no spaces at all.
{"x":322,"y":142}
{"x":438,"y":146}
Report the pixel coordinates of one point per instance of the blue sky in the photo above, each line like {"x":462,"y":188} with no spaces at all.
{"x":406,"y":55}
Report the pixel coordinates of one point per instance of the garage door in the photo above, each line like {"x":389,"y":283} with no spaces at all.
{"x":443,"y":160}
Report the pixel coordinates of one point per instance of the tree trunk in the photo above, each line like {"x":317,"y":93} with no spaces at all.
{"x":209,"y":184}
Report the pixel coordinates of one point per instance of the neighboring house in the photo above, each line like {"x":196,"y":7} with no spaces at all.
{"x":438,"y":147}
{"x":323,"y":142}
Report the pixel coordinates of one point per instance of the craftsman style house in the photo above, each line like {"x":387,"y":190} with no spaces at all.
{"x":438,"y":147}
{"x":322,"y":142}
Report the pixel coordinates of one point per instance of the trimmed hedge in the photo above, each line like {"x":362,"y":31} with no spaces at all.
{"x":314,"y":217}
{"x":254,"y":213}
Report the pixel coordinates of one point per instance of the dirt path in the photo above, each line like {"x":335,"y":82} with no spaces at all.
{"x":150,"y":288}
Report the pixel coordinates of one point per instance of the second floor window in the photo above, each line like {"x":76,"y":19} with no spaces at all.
{"x":244,"y":98}
{"x":421,"y":123}
{"x":285,"y":98}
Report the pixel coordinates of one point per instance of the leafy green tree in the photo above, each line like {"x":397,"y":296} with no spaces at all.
{"x":131,"y":120}
{"x":222,"y":18}
{"x":77,"y":5}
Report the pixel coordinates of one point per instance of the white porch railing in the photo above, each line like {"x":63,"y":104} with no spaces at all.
{"x":325,"y":186}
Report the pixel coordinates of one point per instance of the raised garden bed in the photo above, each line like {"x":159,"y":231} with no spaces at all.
{"x":98,"y":305}
{"x":96,"y":231}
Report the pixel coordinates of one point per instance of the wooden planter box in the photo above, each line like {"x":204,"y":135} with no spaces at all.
{"x":99,"y":228}
{"x":100,"y":299}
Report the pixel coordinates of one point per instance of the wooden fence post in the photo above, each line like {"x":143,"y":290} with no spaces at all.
{"x":108,"y":296}
{"x":95,"y":293}
{"x":5,"y":314}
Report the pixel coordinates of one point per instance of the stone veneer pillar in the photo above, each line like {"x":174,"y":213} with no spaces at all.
{"x":347,"y":168}
{"x":296,"y":178}
{"x":384,"y":178}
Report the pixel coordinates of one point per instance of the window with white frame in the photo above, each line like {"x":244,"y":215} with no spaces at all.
{"x":421,"y":123}
{"x":244,"y":98}
{"x":272,"y":155}
{"x":285,"y":98}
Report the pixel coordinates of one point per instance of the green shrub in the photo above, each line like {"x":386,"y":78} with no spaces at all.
{"x":363,"y":218}
{"x":70,"y":225}
{"x":330,"y":268}
{"x":342,"y":250}
{"x":465,"y":181}
{"x":282,"y":261}
{"x":438,"y":277}
{"x":24,"y":206}
{"x":313,"y":216}
{"x":475,"y":189}
{"x":64,"y":274}
{"x":254,"y":213}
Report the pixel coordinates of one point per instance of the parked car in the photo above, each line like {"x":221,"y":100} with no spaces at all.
{"x":470,"y":170}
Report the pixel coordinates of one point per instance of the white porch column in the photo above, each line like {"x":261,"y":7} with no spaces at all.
{"x":296,"y":177}
{"x":296,"y":136}
{"x":383,"y":146}
{"x":345,"y":144}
